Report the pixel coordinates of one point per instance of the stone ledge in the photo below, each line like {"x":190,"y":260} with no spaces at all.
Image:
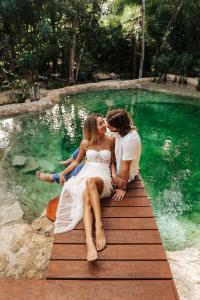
{"x":53,"y":96}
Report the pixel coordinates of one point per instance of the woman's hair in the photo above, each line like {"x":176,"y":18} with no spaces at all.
{"x":90,"y":130}
{"x":120,"y":119}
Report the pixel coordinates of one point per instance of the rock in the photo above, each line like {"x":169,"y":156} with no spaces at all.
{"x":19,"y":160}
{"x":46,"y":166}
{"x":102,"y":76}
{"x":16,"y":245}
{"x":114,"y":76}
{"x":10,"y":213}
{"x":43,"y":225}
{"x":31,"y":166}
{"x":23,"y":253}
{"x":3,"y":262}
{"x":185,"y":266}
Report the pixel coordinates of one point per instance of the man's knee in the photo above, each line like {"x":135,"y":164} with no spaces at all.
{"x":90,"y":183}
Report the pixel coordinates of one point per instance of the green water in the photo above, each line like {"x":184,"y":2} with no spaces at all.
{"x":169,"y":127}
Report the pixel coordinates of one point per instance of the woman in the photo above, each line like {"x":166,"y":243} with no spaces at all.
{"x":81,"y":194}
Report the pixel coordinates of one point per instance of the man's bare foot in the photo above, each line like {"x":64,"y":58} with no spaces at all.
{"x":100,"y":237}
{"x":44,"y":177}
{"x":91,"y":251}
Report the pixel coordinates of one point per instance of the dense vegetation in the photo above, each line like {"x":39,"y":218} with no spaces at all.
{"x":59,"y":42}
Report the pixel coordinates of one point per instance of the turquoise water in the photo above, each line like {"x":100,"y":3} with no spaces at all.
{"x":169,"y":127}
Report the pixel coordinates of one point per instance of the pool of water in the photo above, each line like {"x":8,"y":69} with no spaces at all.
{"x":169,"y":127}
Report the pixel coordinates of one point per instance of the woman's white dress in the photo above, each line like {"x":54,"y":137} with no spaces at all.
{"x":70,"y":206}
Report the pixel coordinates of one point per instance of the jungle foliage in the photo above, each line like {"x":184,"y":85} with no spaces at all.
{"x":59,"y":42}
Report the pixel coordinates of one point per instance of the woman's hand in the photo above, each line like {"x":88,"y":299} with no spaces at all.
{"x":66,"y":162}
{"x":121,"y":183}
{"x":62,"y":179}
{"x":118,"y":195}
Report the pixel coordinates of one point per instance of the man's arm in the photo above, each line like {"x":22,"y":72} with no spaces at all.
{"x":119,"y":193}
{"x":74,"y":164}
{"x":125,"y":170}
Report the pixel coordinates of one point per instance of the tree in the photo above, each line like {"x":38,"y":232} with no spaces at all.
{"x":142,"y":40}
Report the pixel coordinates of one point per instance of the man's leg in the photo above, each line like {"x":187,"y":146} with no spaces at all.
{"x":45,"y":177}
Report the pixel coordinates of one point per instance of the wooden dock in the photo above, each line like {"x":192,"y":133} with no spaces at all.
{"x":132,"y":267}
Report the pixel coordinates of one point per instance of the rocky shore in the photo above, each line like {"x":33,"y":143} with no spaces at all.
{"x":25,"y":248}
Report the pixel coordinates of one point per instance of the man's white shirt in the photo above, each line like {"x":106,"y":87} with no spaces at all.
{"x":128,"y":147}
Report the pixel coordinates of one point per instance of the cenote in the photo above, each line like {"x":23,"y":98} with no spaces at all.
{"x":169,"y":127}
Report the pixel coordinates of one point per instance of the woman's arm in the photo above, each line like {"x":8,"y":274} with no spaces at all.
{"x":112,"y":162}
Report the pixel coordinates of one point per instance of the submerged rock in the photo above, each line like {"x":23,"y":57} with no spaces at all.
{"x":19,"y":160}
{"x":46,"y":166}
{"x":31,"y":166}
{"x":10,"y":213}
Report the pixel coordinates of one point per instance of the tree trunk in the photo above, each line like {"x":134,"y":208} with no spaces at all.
{"x":34,"y":87}
{"x":55,"y":64}
{"x":143,"y":41}
{"x":79,"y":61}
{"x":134,"y":60}
{"x":166,"y":33}
{"x":72,"y":53}
{"x":54,"y":43}
{"x":81,"y":53}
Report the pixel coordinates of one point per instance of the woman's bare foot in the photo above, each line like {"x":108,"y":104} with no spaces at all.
{"x":44,"y":177}
{"x":100,"y":237}
{"x":91,"y":251}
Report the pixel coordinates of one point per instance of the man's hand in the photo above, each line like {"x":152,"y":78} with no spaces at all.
{"x":118,"y":195}
{"x":62,"y":179}
{"x":121,"y":183}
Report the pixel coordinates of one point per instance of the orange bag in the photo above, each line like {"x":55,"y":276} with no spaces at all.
{"x":52,"y":208}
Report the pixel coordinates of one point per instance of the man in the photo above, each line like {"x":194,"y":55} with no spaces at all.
{"x":127,"y":150}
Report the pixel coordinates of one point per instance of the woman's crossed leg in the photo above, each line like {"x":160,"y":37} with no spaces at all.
{"x":91,"y":211}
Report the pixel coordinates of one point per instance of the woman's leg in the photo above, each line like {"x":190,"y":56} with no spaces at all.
{"x":88,"y":224}
{"x":95,"y":187}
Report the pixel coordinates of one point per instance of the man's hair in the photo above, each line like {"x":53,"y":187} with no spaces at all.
{"x":90,"y":130}
{"x":120,"y":119}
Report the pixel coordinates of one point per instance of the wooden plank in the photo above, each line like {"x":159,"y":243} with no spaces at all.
{"x":136,"y":193}
{"x":111,"y":252}
{"x":108,"y":269}
{"x":135,"y":184}
{"x":11,"y":289}
{"x":125,"y":223}
{"x":133,"y":201}
{"x":112,"y":237}
{"x":134,"y":212}
{"x":175,"y":290}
